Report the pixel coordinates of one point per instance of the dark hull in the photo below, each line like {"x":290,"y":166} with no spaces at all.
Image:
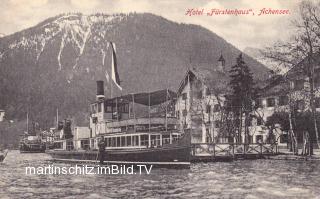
{"x":166,"y":157}
{"x":25,"y":148}
{"x":170,"y":155}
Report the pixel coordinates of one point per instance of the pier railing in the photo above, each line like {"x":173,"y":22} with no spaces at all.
{"x":233,"y":149}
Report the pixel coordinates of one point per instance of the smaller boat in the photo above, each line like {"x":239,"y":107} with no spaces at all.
{"x":3,"y":154}
{"x":32,"y":144}
{"x":31,"y":141}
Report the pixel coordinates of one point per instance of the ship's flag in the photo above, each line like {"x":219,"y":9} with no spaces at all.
{"x":114,"y":69}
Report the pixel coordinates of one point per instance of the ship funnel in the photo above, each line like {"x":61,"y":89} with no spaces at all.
{"x":100,"y":90}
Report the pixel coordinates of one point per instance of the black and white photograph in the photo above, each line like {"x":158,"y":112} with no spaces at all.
{"x":159,"y":99}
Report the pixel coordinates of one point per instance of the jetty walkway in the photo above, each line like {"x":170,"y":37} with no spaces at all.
{"x":211,"y":152}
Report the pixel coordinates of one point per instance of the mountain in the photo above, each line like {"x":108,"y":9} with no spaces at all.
{"x":256,"y":54}
{"x":55,"y":64}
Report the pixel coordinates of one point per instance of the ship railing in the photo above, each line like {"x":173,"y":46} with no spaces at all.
{"x":142,"y":121}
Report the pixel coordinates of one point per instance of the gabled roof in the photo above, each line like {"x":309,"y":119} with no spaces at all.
{"x":299,"y":68}
{"x":211,"y":78}
{"x":278,"y":85}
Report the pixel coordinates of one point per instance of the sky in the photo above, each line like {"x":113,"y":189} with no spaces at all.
{"x":241,"y":31}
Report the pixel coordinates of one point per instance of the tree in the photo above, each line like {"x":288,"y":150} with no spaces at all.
{"x":302,"y":50}
{"x":241,"y":99}
{"x":301,"y":124}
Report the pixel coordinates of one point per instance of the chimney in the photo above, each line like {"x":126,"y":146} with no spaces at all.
{"x":100,"y":90}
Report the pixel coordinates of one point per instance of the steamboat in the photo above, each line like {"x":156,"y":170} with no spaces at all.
{"x":32,"y":141}
{"x":135,"y":129}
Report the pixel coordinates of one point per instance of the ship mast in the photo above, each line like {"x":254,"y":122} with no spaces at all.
{"x":27,"y":121}
{"x":57,"y":117}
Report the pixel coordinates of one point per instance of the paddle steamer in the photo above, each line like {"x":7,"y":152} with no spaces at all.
{"x":136,"y":128}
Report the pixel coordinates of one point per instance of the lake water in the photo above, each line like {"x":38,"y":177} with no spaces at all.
{"x":239,"y":179}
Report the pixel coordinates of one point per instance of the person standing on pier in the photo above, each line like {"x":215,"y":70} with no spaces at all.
{"x":102,"y":148}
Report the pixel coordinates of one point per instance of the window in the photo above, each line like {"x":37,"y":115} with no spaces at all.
{"x":199,"y":94}
{"x":99,"y":107}
{"x":283,"y":100}
{"x":93,"y":108}
{"x":250,"y":121}
{"x":208,"y":92}
{"x":259,"y":121}
{"x":123,"y":108}
{"x":135,"y":140}
{"x":317,"y":102}
{"x":259,"y":138}
{"x":144,"y":140}
{"x":217,"y":124}
{"x":271,"y":102}
{"x":184,"y":96}
{"x":69,"y":145}
{"x":108,"y":107}
{"x":284,"y":138}
{"x":184,"y":112}
{"x":216,"y":108}
{"x":300,"y":104}
{"x":57,"y":145}
{"x":259,"y":103}
{"x":118,"y":142}
{"x":299,"y":84}
{"x":317,"y":82}
{"x":208,"y":109}
{"x":128,"y":140}
{"x":113,"y":142}
{"x":155,"y":140}
{"x":123,"y":141}
{"x":165,"y":139}
{"x":85,"y":144}
{"x":109,"y":142}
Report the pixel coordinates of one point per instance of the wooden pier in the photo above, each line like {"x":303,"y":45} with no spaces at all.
{"x":217,"y":152}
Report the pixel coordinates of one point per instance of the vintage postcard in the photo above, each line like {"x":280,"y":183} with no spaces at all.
{"x":160,"y":99}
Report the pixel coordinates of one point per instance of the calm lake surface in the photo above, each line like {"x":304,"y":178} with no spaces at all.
{"x":239,"y":179}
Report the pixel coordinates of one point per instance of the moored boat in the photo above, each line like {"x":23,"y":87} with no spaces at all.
{"x":31,"y":144}
{"x":131,"y":134}
{"x":31,"y":141}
